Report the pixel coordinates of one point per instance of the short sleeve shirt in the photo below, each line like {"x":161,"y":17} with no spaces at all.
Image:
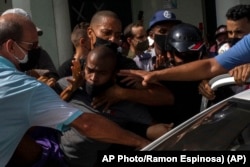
{"x":237,"y":55}
{"x":26,"y":102}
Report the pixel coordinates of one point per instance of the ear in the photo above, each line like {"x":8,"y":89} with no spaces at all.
{"x":89,"y":32}
{"x":91,"y":37}
{"x":9,"y":45}
{"x":82,"y":41}
{"x":129,"y":40}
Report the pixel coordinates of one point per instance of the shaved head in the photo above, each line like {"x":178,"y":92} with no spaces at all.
{"x":98,"y":16}
{"x":100,"y":68}
{"x":102,"y":55}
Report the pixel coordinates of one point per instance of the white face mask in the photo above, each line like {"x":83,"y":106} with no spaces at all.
{"x":25,"y":58}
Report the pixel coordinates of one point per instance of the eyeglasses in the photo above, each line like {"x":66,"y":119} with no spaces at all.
{"x":21,"y":48}
{"x":31,"y":45}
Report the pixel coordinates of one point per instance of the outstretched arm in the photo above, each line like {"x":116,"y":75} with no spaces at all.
{"x":99,"y":128}
{"x":201,"y":69}
{"x":153,"y":95}
{"x":198,"y":70}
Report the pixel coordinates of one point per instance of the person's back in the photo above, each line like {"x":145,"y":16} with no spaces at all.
{"x":39,"y":60}
{"x":220,"y":38}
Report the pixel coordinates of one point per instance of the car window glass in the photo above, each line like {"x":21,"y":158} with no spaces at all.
{"x":225,"y":127}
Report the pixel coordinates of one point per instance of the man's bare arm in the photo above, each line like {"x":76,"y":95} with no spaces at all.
{"x":99,"y":128}
{"x":198,"y":70}
{"x":153,"y":95}
{"x":194,"y":71}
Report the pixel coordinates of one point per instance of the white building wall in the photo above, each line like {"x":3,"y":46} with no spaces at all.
{"x":63,"y":30}
{"x":5,"y":5}
{"x":223,"y":5}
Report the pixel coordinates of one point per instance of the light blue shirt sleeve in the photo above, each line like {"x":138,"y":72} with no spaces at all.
{"x":237,"y":55}
{"x":47,"y":109}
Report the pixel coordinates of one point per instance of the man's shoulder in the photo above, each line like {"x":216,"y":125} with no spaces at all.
{"x":126,"y":63}
{"x":81,"y":100}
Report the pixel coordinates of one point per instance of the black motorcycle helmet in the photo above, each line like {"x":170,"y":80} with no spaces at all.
{"x":186,"y":41}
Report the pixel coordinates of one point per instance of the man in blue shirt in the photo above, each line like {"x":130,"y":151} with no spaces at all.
{"x":26,"y":102}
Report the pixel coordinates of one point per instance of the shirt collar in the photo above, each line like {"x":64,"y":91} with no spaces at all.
{"x":6,"y":62}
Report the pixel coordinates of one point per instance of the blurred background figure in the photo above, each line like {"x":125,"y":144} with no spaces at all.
{"x":220,"y":38}
{"x":159,"y":26}
{"x":81,"y":43}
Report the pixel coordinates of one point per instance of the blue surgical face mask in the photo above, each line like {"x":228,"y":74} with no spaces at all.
{"x":25,"y":58}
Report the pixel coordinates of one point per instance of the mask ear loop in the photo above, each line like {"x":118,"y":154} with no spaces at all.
{"x":22,"y":50}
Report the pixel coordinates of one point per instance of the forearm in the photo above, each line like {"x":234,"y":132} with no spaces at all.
{"x":153,"y":96}
{"x":99,"y":128}
{"x":198,"y":70}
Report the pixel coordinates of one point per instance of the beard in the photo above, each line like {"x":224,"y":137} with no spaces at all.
{"x":94,"y":90}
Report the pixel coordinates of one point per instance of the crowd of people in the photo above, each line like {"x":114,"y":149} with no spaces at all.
{"x":113,"y":93}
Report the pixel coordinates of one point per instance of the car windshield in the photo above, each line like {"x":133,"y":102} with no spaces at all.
{"x":224,"y":127}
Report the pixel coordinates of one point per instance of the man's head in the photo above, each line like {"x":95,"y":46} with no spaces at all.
{"x":159,"y":26}
{"x":104,"y":25}
{"x":238,"y":21}
{"x":221,"y":34}
{"x":100,"y":67}
{"x":18,"y":36}
{"x":22,"y":12}
{"x":100,"y":70}
{"x":185,"y":43}
{"x":136,"y":36}
{"x":79,"y":36}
